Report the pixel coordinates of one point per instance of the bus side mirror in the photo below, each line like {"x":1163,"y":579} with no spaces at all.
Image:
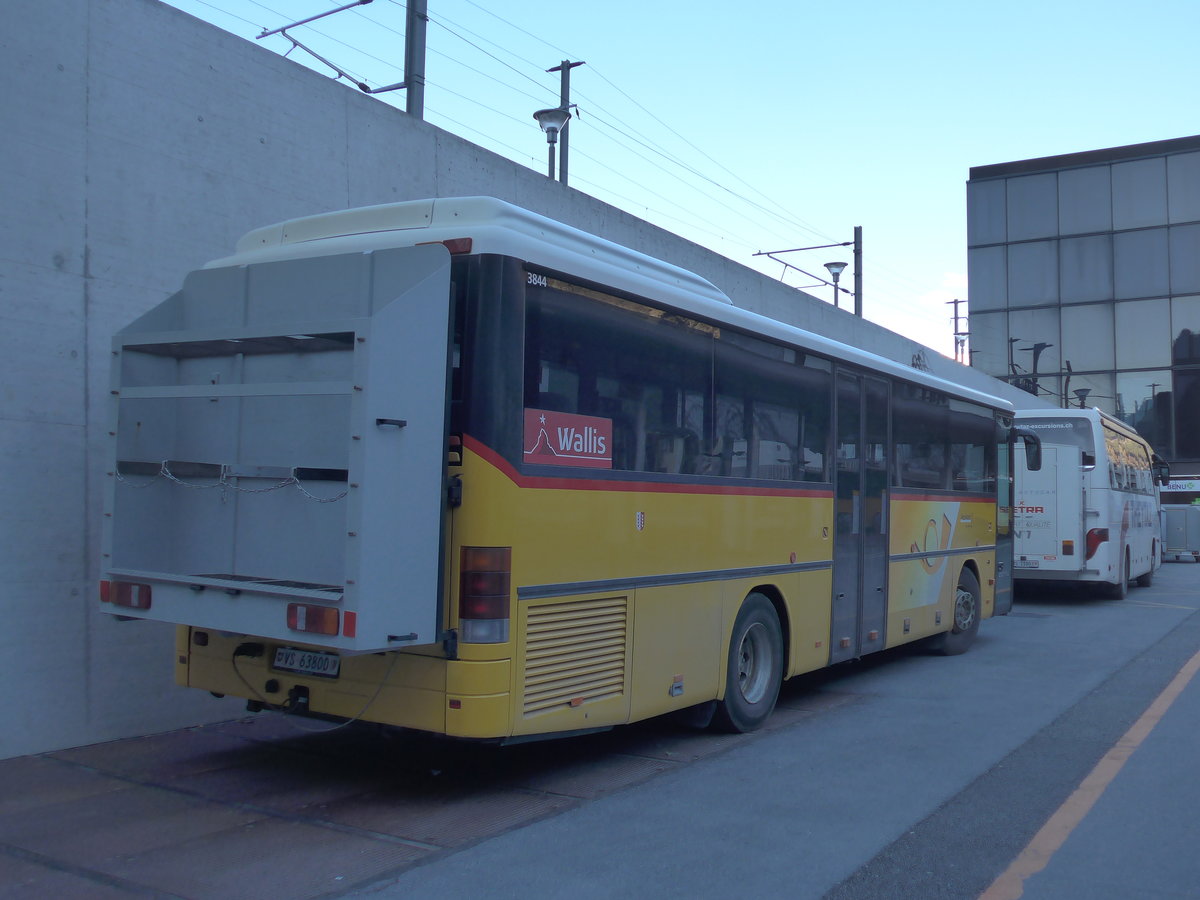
{"x":1033,"y":449}
{"x":1162,"y":472}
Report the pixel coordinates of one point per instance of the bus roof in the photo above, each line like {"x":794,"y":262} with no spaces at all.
{"x":495,"y":226}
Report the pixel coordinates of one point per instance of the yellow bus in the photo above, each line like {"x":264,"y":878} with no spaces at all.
{"x":452,"y":466}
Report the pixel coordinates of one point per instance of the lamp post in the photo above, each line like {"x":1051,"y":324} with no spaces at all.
{"x":552,"y":121}
{"x":835,"y":270}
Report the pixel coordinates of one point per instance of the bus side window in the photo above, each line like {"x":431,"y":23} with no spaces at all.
{"x":972,"y":448}
{"x":771,"y":411}
{"x":918,"y":430}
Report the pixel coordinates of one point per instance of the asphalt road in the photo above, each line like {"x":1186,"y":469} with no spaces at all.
{"x":1056,"y":759}
{"x":928,"y":782}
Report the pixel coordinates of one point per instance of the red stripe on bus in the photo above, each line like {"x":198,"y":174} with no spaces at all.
{"x":490,"y":456}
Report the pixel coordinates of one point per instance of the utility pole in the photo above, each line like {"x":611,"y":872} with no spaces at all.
{"x":858,"y":305}
{"x":417,"y":21}
{"x":959,"y":336}
{"x":564,"y":97}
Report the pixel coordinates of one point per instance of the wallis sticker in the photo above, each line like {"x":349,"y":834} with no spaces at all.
{"x":565,"y":439}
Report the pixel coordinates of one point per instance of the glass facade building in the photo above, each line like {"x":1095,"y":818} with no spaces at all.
{"x":1084,"y":277}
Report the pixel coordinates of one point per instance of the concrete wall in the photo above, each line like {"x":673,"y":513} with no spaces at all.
{"x":138,"y":144}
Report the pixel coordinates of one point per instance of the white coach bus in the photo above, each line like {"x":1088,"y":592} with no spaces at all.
{"x":1090,"y":514}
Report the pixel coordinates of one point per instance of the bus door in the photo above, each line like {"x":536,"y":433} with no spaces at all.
{"x":861,"y":518}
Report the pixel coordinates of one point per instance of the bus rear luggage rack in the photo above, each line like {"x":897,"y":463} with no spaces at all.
{"x":249,"y":345}
{"x":328,"y":593}
{"x":176,"y":470}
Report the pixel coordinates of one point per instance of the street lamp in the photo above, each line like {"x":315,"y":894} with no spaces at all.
{"x":835,"y":269}
{"x":1082,"y":394}
{"x":552,"y":122}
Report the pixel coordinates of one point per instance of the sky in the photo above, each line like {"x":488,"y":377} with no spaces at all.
{"x":781,"y":124}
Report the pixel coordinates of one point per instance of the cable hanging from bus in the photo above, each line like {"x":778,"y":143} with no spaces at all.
{"x":452,"y":466}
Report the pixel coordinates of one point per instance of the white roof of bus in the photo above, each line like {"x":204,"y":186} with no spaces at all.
{"x":495,"y":226}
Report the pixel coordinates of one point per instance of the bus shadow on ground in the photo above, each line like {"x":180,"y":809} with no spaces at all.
{"x":193,"y":812}
{"x":1041,"y":595}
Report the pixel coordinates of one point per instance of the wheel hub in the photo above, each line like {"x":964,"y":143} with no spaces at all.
{"x":754,"y":663}
{"x":964,"y":610}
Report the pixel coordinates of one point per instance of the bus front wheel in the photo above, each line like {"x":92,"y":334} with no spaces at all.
{"x":754,"y":669}
{"x":967,"y":609}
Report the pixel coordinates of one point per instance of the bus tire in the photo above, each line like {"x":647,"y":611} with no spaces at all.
{"x":1147,"y":578}
{"x":967,"y":610}
{"x":1120,"y":590}
{"x":754,"y":669}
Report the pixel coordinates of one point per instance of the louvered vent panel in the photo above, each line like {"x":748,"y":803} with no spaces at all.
{"x":574,"y":652}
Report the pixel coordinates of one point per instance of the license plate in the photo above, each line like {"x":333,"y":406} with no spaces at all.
{"x":307,"y":662}
{"x":1026,"y":563}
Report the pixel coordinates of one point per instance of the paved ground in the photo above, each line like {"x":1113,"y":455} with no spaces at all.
{"x":904,"y":775}
{"x":269,"y":806}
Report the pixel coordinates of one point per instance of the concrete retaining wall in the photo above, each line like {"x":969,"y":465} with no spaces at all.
{"x":140,"y":143}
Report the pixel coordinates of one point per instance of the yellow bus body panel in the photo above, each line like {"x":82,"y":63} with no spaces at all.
{"x":672,"y":637}
{"x":623,"y":601}
{"x":809,"y":612}
{"x":956,"y":533}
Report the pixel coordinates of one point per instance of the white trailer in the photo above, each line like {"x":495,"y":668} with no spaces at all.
{"x":1181,"y":531}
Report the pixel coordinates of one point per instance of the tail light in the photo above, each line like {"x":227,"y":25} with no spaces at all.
{"x":1068,"y":548}
{"x":483,"y":596}
{"x":128,"y":594}
{"x":312,"y":618}
{"x":1095,"y":537}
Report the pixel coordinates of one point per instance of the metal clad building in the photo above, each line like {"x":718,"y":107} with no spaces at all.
{"x":1085,"y":284}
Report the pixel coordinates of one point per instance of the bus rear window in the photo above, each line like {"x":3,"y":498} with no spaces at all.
{"x":1064,"y":432}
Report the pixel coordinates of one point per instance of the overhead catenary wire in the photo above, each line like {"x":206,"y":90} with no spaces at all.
{"x":780,"y":211}
{"x":351,"y":74}
{"x":749,"y":219}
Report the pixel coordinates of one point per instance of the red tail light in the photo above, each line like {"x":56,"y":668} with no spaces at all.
{"x":1095,"y":537}
{"x":125,"y":593}
{"x":483,"y":596}
{"x":312,"y":618}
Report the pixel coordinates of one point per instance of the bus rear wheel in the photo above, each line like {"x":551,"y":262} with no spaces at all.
{"x":754,"y":669}
{"x":1120,"y":590}
{"x":967,"y":610}
{"x":1147,"y":578}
